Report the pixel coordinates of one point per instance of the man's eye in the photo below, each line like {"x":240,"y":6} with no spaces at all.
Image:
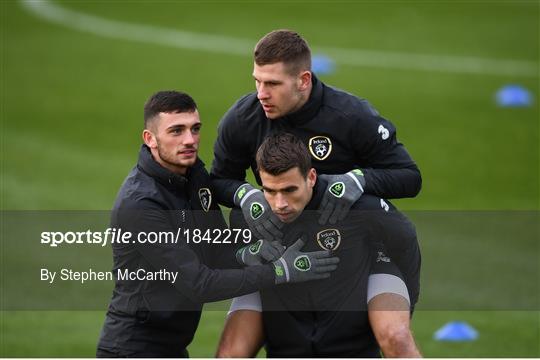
{"x":196,"y":130}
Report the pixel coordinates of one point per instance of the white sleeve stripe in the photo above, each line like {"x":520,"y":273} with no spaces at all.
{"x":286,"y":269}
{"x":356,"y":181}
{"x":386,"y":283}
{"x":246,"y":302}
{"x":246,"y":196}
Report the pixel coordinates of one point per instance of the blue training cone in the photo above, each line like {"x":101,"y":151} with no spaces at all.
{"x":456,"y":331}
{"x":322,"y":65}
{"x":513,"y":96}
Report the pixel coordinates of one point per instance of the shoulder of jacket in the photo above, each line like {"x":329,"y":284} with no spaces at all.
{"x":138,"y":192}
{"x":349,"y":105}
{"x":243,"y":109}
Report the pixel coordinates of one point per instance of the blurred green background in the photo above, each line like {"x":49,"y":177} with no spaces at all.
{"x":72,"y":91}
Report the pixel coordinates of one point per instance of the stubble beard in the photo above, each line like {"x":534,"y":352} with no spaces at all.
{"x":172,"y":160}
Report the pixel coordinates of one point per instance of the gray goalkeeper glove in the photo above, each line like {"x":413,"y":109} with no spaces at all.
{"x":262,"y":222}
{"x":259,"y":252}
{"x":342,"y":191}
{"x":296,"y":266}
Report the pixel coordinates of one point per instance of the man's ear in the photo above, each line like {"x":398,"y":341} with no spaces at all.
{"x":149,"y":139}
{"x":305,"y":80}
{"x":312,"y":177}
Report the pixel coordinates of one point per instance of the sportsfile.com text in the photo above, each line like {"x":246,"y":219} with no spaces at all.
{"x":119,"y":236}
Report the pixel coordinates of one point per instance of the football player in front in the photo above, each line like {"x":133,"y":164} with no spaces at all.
{"x":330,"y":318}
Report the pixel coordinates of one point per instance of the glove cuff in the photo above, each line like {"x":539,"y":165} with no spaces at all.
{"x":281,"y":271}
{"x":242,"y":193}
{"x":249,"y":251}
{"x":240,"y":255}
{"x":358,"y":177}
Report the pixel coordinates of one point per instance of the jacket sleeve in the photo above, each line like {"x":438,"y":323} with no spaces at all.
{"x":195,"y":280}
{"x":389,"y":170}
{"x":231,"y":158}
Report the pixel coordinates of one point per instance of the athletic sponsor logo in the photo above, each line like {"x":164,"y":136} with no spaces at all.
{"x":205,"y":196}
{"x":256,"y":210}
{"x":329,"y":239}
{"x":384,"y":132}
{"x":382,"y":257}
{"x":254,"y":248}
{"x":302,"y":263}
{"x":358,"y":172}
{"x":279,"y":270}
{"x":320,"y":147}
{"x":384,"y":205}
{"x":241,"y":193}
{"x":337,"y":189}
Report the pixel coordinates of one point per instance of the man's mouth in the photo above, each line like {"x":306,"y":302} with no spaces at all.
{"x":188,"y":152}
{"x":267,"y":107}
{"x":284,"y":215}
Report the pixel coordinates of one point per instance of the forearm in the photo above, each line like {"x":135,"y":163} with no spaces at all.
{"x":216,"y":285}
{"x":231,"y":159}
{"x":393,"y":183}
{"x":242,"y":335}
{"x":225,"y":189}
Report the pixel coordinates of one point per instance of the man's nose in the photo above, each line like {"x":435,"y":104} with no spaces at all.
{"x":281,"y":202}
{"x":189,"y":138}
{"x":262,"y":93}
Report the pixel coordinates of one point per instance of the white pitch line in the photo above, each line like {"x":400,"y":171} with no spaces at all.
{"x":235,"y":46}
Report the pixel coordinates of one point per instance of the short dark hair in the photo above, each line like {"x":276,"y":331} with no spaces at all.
{"x":169,"y":101}
{"x":283,"y":46}
{"x":281,"y":152}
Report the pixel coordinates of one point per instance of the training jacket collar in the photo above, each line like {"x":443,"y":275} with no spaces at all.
{"x":318,"y":192}
{"x":310,"y":108}
{"x":148,"y":165}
